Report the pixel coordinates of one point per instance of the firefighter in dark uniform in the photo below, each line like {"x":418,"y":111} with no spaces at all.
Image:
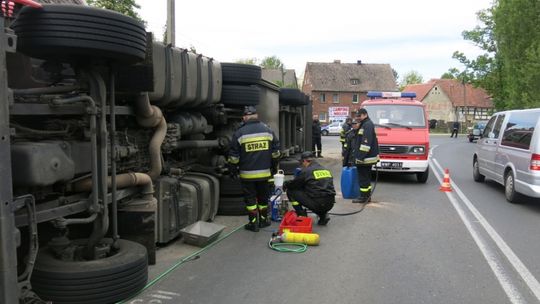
{"x":254,"y":154}
{"x":312,"y":188}
{"x":345,"y":127}
{"x":350,"y":138}
{"x":363,"y":151}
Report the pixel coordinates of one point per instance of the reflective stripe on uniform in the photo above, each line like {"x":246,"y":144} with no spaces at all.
{"x":295,"y":203}
{"x":276,"y":154}
{"x":262,"y":207}
{"x":251,"y":207}
{"x":365,"y":148}
{"x":253,"y":174}
{"x":360,"y":131}
{"x":365,"y":189}
{"x":318,"y":174}
{"x":255,"y":137}
{"x":368,"y":160}
{"x":233,"y":160}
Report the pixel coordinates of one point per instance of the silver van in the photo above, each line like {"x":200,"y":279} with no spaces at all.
{"x":508,"y":152}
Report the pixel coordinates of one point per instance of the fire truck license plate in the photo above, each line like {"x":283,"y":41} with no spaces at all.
{"x":391,"y":165}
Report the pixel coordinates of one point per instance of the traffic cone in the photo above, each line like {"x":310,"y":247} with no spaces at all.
{"x":445,"y":187}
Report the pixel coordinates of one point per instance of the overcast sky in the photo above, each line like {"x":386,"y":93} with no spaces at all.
{"x":418,"y":35}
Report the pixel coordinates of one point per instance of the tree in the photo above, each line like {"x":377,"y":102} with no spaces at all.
{"x":412,"y":77}
{"x":509,"y":68}
{"x":126,"y":7}
{"x":452,"y":73}
{"x":252,"y":61}
{"x":272,"y":62}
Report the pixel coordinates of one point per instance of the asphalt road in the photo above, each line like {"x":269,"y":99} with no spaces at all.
{"x":413,"y":244}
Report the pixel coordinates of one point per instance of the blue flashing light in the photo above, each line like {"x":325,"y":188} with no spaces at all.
{"x":377,"y":94}
{"x":374,"y":94}
{"x":408,"y":94}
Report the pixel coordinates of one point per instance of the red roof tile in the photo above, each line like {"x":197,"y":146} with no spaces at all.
{"x":474,"y":97}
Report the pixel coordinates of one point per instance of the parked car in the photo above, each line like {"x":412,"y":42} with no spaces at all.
{"x":509,"y":153}
{"x":331,"y":129}
{"x":476,"y":131}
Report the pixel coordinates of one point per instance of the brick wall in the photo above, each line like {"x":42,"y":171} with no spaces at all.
{"x":345,"y":100}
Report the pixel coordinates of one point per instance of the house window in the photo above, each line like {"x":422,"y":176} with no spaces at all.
{"x":335,"y":98}
{"x":354,"y":98}
{"x":355,"y":81}
{"x":322,"y":116}
{"x":322,"y":98}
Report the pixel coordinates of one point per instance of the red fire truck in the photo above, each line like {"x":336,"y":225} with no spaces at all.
{"x":403,"y":132}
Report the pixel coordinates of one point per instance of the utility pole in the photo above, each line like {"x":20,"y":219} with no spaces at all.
{"x":171,"y":23}
{"x":465,"y":102}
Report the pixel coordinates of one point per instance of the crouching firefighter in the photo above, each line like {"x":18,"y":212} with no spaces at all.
{"x":253,"y":152}
{"x":312,"y":188}
{"x":363,"y":149}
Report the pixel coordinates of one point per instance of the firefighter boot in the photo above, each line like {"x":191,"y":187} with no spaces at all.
{"x":264,"y":220}
{"x":365,"y":197}
{"x":298,"y":209}
{"x":323,"y":219}
{"x":319,"y":154}
{"x":253,"y":224}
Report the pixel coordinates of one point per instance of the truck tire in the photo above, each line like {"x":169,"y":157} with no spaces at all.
{"x":230,"y":187}
{"x":238,"y":73}
{"x":75,"y":32}
{"x":107,"y":280}
{"x":422,"y":177}
{"x":292,"y":97}
{"x":235,"y":95}
{"x":232,"y":205}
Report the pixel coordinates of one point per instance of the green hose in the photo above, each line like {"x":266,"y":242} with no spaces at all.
{"x":287,"y":247}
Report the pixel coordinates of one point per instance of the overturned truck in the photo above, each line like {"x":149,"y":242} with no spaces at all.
{"x":111,"y":143}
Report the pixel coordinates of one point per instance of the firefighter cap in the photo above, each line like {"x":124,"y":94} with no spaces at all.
{"x":250,"y":110}
{"x":308,"y":155}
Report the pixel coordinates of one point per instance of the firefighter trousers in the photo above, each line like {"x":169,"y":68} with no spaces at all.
{"x":319,"y":205}
{"x":364,"y":180}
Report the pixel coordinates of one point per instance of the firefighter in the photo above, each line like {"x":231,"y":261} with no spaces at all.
{"x":346,"y":127}
{"x":254,"y":154}
{"x":364,"y":151}
{"x":350,"y":138}
{"x":312,"y":188}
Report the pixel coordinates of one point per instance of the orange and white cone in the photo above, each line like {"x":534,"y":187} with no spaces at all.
{"x":445,"y":187}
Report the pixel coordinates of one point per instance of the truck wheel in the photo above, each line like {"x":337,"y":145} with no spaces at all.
{"x":324,"y":133}
{"x":107,"y":280}
{"x":238,"y":73}
{"x":292,"y":97}
{"x":422,"y":177}
{"x":74,"y":32}
{"x":232,"y":205}
{"x":235,"y":95}
{"x":230,"y":187}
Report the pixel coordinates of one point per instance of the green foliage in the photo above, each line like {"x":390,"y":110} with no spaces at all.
{"x":509,"y":68}
{"x":412,"y":77}
{"x":452,"y":73}
{"x":126,"y":7}
{"x":272,"y":62}
{"x":252,"y":61}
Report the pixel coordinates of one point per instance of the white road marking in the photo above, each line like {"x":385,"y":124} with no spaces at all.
{"x":162,"y":297}
{"x":521,"y":269}
{"x":491,"y":257}
{"x":168,"y":293}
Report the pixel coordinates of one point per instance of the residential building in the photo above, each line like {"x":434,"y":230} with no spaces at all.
{"x":450,"y":100}
{"x":284,"y":78}
{"x":337,"y":89}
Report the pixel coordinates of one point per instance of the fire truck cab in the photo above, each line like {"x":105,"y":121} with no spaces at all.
{"x":402,"y":129}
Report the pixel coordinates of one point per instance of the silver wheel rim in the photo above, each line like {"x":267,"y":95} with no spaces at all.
{"x":509,"y":185}
{"x":476,"y":172}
